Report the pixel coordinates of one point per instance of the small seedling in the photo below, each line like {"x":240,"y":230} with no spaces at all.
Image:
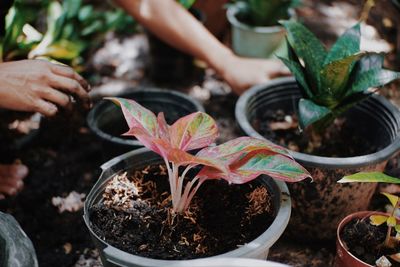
{"x":391,"y":241}
{"x":237,"y":161}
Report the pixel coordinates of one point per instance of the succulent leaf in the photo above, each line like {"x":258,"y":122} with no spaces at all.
{"x":346,"y":45}
{"x":309,"y":112}
{"x":307,"y":48}
{"x":373,"y":78}
{"x":370,"y":61}
{"x":335,"y":75}
{"x":296,"y":69}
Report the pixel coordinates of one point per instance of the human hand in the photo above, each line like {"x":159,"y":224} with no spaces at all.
{"x":242,"y":73}
{"x":40,"y":86}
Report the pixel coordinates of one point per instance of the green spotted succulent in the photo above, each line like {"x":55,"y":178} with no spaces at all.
{"x":331,"y":81}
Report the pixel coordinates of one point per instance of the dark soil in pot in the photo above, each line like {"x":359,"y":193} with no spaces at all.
{"x":341,"y":139}
{"x":364,"y":240}
{"x":220,"y":218}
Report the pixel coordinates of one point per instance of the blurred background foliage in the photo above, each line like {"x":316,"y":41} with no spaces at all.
{"x":64,"y":31}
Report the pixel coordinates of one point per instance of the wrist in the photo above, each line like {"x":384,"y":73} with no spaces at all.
{"x":220,"y":59}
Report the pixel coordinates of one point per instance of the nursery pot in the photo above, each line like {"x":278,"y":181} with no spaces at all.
{"x":318,"y":205}
{"x":16,"y":249}
{"x":167,"y":64}
{"x":111,"y":256}
{"x":343,"y":257}
{"x":108,"y":123}
{"x":252,"y":41}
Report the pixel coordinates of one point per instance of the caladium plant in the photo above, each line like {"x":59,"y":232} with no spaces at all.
{"x":237,"y":161}
{"x":378,"y":219}
{"x":334,"y":81}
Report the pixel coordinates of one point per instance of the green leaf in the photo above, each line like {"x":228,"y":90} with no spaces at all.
{"x":373,"y":78}
{"x":378,"y":219}
{"x":392,"y":198}
{"x":309,"y":112}
{"x":296,"y":69}
{"x":308,"y":48}
{"x":187,"y":3}
{"x":335,"y":75}
{"x":369,"y":177}
{"x":72,"y":8}
{"x":348,"y":44}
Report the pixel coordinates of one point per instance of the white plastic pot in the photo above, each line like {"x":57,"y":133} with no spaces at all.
{"x":258,"y":42}
{"x":256,"y":249}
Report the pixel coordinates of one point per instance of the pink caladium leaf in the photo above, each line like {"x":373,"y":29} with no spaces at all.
{"x":182,"y":158}
{"x":137,"y":115}
{"x":193,"y":131}
{"x":248,"y":157}
{"x":163,"y":127}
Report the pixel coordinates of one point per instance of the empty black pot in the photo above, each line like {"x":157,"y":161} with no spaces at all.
{"x":108,"y":123}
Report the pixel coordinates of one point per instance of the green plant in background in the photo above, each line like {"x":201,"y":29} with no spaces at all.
{"x":334,"y":81}
{"x":378,"y":219}
{"x":264,"y":13}
{"x":187,"y":3}
{"x":72,"y":29}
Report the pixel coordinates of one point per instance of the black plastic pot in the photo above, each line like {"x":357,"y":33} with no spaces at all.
{"x":318,"y":206}
{"x":169,"y":65}
{"x":16,"y":249}
{"x":138,"y":159}
{"x":107,"y":121}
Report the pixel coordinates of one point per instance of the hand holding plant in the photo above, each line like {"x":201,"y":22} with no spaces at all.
{"x":237,"y":161}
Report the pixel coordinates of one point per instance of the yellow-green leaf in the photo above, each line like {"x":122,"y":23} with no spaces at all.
{"x":397,"y":228}
{"x":392,"y":198}
{"x":369,"y":177}
{"x":391,"y":221}
{"x":378,"y":219}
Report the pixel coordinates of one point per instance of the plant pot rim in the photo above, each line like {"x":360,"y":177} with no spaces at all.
{"x":231,"y":13}
{"x":312,"y":160}
{"x":90,"y":119}
{"x":268,"y":237}
{"x":347,"y":219}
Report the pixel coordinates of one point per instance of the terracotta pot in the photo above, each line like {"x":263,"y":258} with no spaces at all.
{"x":343,"y":257}
{"x":318,"y":206}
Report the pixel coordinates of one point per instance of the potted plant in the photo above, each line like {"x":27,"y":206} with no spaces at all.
{"x":255,"y":28}
{"x":108,"y":124}
{"x":369,"y":238}
{"x":16,"y":249}
{"x":167,"y":64}
{"x":344,"y":127}
{"x":135,"y":221}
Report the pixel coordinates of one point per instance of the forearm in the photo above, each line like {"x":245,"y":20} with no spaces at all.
{"x":173,"y":24}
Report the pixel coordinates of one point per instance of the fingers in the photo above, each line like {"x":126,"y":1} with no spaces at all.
{"x":70,"y":73}
{"x":11,"y":177}
{"x":70,"y":86}
{"x":45,"y":108}
{"x":55,"y":97}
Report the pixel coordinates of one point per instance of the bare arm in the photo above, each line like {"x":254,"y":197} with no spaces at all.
{"x":175,"y":25}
